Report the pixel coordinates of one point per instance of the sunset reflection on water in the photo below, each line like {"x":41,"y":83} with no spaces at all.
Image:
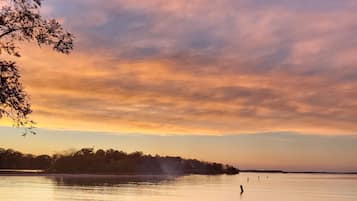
{"x":267,"y":187}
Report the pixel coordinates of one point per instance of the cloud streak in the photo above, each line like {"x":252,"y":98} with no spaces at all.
{"x":199,"y":67}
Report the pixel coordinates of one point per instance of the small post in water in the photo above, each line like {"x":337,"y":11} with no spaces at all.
{"x":241,"y":189}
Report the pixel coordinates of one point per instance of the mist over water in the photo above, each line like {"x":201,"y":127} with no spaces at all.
{"x":267,"y":187}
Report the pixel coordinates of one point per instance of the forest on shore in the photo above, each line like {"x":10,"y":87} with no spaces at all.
{"x":90,"y":161}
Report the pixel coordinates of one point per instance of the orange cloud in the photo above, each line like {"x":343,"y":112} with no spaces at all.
{"x":199,"y":68}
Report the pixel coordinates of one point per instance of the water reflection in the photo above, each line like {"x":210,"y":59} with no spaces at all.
{"x":90,"y":180}
{"x":271,"y":187}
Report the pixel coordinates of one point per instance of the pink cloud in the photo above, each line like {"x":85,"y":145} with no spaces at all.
{"x":219,"y":67}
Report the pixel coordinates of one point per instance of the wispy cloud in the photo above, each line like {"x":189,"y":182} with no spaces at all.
{"x":199,"y":66}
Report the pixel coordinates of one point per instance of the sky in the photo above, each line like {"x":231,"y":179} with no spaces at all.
{"x":209,"y":74}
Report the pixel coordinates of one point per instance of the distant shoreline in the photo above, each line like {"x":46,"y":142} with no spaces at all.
{"x":21,"y":172}
{"x":295,"y":172}
{"x":110,"y":161}
{"x":76,"y":175}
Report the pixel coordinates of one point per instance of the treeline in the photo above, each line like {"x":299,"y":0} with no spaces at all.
{"x":110,"y":161}
{"x":10,"y":159}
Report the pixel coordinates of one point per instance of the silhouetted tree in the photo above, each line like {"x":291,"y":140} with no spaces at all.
{"x":20,"y":20}
{"x":117,"y":162}
{"x":110,"y":161}
{"x":10,"y":159}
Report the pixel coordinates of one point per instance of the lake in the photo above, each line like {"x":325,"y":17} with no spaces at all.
{"x":258,"y":187}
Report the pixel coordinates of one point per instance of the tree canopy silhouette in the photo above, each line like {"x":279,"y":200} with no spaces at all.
{"x":20,"y":20}
{"x":90,"y":161}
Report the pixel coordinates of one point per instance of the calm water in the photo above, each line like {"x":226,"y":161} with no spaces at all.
{"x":287,"y":187}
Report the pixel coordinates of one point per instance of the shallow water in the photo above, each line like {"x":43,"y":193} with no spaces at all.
{"x":259,"y":187}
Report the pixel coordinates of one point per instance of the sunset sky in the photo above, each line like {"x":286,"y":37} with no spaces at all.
{"x":254,"y":83}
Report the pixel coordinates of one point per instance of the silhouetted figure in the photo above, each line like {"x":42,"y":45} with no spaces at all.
{"x":247,"y":179}
{"x":241,"y":189}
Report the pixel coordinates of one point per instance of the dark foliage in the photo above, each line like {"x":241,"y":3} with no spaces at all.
{"x":20,"y":20}
{"x":112,"y":161}
{"x":117,"y":162}
{"x":10,"y":159}
{"x":13,"y":98}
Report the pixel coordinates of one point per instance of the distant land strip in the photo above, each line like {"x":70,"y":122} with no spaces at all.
{"x":113,"y":162}
{"x":295,"y":172}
